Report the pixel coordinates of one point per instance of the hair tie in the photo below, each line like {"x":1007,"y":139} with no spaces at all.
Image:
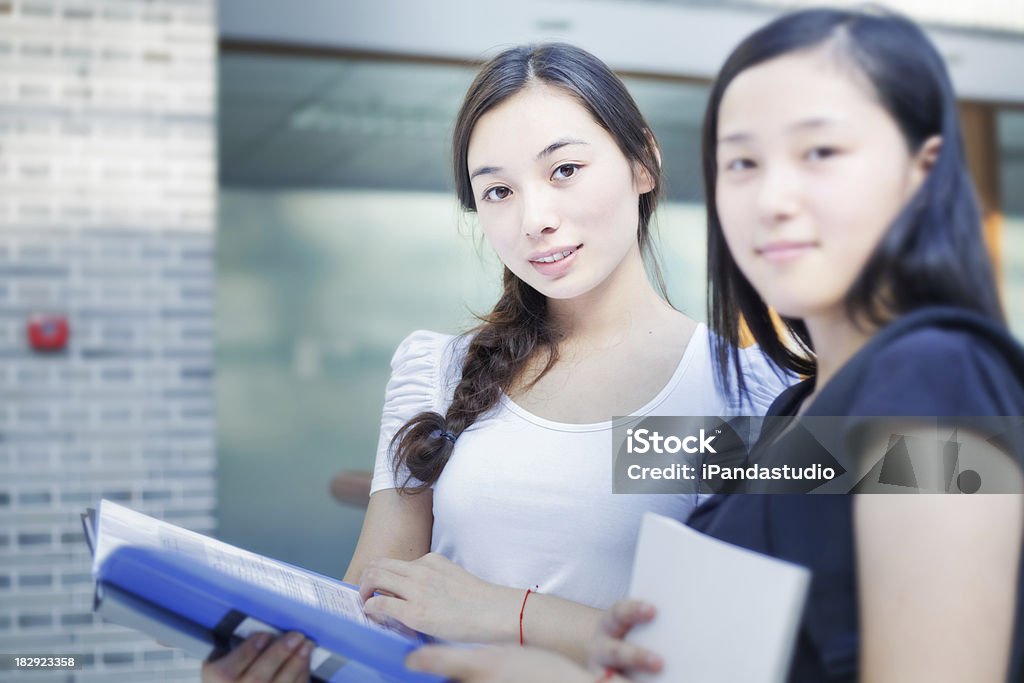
{"x":448,"y":436}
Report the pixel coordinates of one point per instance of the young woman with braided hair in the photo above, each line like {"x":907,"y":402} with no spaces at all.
{"x":494,"y":471}
{"x":491,"y":516}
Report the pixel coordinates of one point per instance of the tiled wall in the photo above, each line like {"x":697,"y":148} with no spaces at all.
{"x":107,"y":213}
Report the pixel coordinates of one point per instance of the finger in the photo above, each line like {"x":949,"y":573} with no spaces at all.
{"x":296,"y":668}
{"x":274,"y":657}
{"x":377,"y":579}
{"x":230,"y":666}
{"x":400,"y":567}
{"x":618,"y":654}
{"x":456,"y":662}
{"x":626,"y":614}
{"x":380,"y":608}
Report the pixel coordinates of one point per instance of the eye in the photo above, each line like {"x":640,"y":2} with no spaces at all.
{"x":820,"y":153}
{"x":497,"y":193}
{"x":565,"y":171}
{"x":741,"y":164}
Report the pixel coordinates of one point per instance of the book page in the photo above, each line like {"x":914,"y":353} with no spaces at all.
{"x":724,"y":613}
{"x":119,"y":526}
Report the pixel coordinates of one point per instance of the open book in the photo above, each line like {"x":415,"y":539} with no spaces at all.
{"x":205,"y":596}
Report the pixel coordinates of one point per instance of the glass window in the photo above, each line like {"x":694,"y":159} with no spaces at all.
{"x":1011,"y":174}
{"x":339,"y":235}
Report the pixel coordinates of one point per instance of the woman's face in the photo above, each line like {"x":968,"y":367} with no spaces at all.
{"x":556,"y":198}
{"x":811,"y":170}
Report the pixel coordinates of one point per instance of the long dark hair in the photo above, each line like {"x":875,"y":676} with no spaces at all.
{"x":932,"y":253}
{"x":519,"y":328}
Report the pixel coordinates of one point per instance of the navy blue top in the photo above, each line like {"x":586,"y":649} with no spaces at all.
{"x":933,"y":362}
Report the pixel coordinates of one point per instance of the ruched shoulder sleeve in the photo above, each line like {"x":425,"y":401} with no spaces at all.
{"x":423,"y":372}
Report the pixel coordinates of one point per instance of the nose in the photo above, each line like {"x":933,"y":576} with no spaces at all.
{"x":778,"y":193}
{"x":540,"y":216}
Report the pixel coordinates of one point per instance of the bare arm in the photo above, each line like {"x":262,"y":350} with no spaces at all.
{"x":436,"y":596}
{"x":505,"y":664}
{"x":397,"y":526}
{"x":938,"y":574}
{"x":561,"y":625}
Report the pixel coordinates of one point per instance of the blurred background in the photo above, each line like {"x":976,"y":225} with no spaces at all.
{"x":218,"y":220}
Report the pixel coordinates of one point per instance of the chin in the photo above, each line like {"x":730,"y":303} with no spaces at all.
{"x":561,"y":289}
{"x":559,"y":294}
{"x":801,"y":309}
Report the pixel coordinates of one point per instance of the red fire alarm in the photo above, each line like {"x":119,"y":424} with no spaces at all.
{"x":48,"y":332}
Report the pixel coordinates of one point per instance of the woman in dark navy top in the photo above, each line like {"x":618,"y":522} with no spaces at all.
{"x":932,"y":362}
{"x":838,"y":195}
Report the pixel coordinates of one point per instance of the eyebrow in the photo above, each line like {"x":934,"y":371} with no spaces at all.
{"x":557,"y":145}
{"x":803,"y":124}
{"x":547,"y":151}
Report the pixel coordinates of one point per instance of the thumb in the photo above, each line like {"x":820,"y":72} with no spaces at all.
{"x":626,"y":614}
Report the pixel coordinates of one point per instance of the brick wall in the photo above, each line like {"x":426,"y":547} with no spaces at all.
{"x":107,"y":214}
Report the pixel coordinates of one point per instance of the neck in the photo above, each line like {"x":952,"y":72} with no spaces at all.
{"x":836,"y":339}
{"x":625,"y":302}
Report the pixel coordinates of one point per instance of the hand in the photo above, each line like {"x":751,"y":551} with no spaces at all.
{"x":262,"y":658}
{"x":500,"y":664}
{"x":435,"y":596}
{"x":608,"y":649}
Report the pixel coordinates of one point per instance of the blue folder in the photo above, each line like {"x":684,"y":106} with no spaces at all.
{"x":169,"y":591}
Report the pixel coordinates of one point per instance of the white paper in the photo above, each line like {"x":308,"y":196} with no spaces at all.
{"x":119,"y":526}
{"x":724,"y":613}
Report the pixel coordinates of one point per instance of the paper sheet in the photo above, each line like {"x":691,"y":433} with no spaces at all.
{"x":119,"y":526}
{"x":724,"y":613}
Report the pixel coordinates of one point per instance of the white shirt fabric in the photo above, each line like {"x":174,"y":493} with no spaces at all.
{"x":527,"y":502}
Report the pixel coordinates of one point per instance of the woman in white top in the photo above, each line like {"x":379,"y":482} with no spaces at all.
{"x":495,"y":447}
{"x":494,"y":470}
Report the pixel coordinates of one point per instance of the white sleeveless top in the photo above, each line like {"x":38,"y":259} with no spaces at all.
{"x":524,"y":501}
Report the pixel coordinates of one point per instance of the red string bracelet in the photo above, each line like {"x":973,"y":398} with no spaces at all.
{"x":521,"y":611}
{"x":608,"y":675}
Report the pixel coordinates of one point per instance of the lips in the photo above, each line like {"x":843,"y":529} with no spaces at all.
{"x":782,"y":251}
{"x":554,"y":263}
{"x":554,"y":255}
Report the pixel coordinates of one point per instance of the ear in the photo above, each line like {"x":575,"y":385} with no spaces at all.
{"x":644,"y":182}
{"x":924,"y":161}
